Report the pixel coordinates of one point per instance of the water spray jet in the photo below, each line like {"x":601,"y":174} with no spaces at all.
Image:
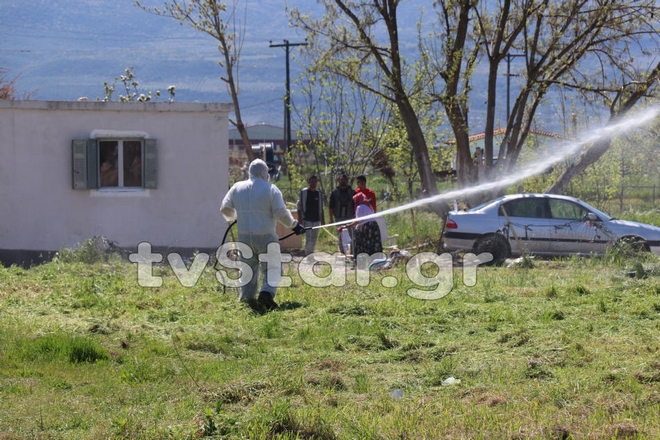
{"x":559,"y":154}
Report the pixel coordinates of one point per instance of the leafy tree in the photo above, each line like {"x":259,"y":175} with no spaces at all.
{"x":395,"y":157}
{"x":226,"y":26}
{"x":631,"y":161}
{"x":625,"y":98}
{"x":628,"y":169}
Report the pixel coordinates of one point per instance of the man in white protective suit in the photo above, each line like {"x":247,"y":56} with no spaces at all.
{"x":257,"y":206}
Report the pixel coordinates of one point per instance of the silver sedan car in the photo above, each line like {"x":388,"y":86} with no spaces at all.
{"x":541,"y":224}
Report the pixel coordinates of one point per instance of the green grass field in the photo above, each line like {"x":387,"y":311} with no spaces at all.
{"x":562,"y":349}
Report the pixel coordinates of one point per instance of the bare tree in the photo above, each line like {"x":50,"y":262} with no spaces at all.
{"x":345,"y":121}
{"x":557,"y":40}
{"x":354,"y":38}
{"x":213,"y":18}
{"x":589,"y":49}
{"x":8,"y":87}
{"x":455,"y":59}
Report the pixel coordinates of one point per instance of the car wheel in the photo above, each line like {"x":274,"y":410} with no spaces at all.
{"x":634,"y":244}
{"x":496,"y":245}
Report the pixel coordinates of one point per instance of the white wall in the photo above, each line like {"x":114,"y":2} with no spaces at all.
{"x":39,"y":210}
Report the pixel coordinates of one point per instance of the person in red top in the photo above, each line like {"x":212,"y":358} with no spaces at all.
{"x":361,"y":182}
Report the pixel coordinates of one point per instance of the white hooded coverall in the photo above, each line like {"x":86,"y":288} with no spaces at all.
{"x":257,"y":206}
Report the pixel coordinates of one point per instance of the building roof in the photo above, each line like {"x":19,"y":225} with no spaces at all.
{"x":478,"y":140}
{"x":261,"y":133}
{"x":501,"y":131}
{"x":111,"y":106}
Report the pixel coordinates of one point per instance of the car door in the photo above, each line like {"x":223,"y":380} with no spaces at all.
{"x":573,"y":234}
{"x":529,"y":219}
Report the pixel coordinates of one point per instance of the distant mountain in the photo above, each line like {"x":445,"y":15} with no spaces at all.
{"x":66,"y":49}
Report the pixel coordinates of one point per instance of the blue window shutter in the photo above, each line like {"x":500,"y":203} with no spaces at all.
{"x":92,"y":164}
{"x":150,"y":164}
{"x":79,"y":163}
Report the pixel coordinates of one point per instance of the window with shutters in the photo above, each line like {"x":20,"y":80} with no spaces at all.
{"x":114,"y":164}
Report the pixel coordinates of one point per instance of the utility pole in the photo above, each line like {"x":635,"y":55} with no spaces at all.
{"x":508,"y":82}
{"x":287,"y":97}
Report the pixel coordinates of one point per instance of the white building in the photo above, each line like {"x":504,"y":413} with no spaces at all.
{"x":133,"y":172}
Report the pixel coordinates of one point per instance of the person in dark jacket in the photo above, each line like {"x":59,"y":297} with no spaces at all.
{"x":310,"y":212}
{"x":341,"y":208}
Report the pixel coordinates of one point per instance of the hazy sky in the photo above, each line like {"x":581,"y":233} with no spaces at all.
{"x":64,"y":50}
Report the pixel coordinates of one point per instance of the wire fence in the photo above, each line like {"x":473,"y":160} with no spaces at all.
{"x":631,"y":198}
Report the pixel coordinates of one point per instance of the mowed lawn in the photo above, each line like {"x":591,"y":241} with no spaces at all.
{"x":563,"y":349}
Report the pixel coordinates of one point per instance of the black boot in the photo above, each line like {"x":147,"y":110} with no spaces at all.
{"x":266,"y":299}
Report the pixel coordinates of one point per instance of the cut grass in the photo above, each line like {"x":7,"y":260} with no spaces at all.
{"x":566,"y":348}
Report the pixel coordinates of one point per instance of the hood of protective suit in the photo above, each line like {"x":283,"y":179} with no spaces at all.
{"x":256,"y":204}
{"x":258,"y":170}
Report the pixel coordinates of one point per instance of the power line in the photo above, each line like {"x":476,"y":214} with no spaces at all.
{"x":125,"y":49}
{"x":48,"y":33}
{"x":259,"y":104}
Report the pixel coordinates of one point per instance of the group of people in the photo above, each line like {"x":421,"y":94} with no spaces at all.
{"x":257,"y":205}
{"x":345,"y":206}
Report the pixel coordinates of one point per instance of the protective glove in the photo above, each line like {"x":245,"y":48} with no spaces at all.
{"x":298,"y":229}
